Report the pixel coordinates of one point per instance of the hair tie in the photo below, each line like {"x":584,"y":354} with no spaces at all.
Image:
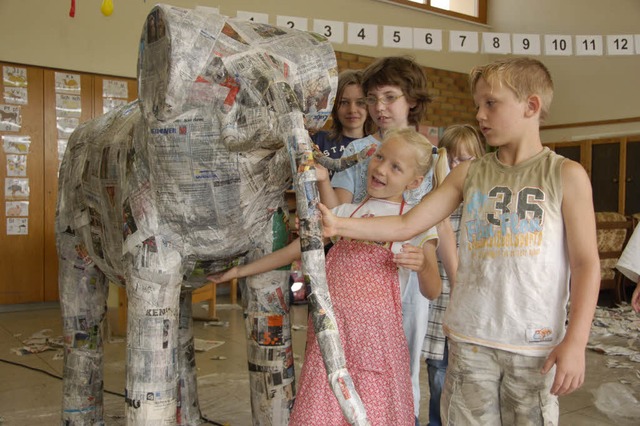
{"x":434,"y":150}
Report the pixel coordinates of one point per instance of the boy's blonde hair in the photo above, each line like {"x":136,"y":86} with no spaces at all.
{"x":465,"y":135}
{"x":404,"y":72}
{"x":524,"y":76}
{"x":424,"y":153}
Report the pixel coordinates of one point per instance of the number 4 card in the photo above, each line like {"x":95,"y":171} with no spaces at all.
{"x":363,"y":34}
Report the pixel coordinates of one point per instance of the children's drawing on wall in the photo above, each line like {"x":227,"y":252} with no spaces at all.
{"x":10,"y":118}
{"x":14,"y":76}
{"x":16,"y":165}
{"x":14,"y":144}
{"x":62,"y":147}
{"x":16,"y":208}
{"x":17,"y":226}
{"x":68,"y":105}
{"x":16,"y":188}
{"x":16,"y":95}
{"x":67,"y":83}
{"x":115,"y":93}
{"x":66,"y":126}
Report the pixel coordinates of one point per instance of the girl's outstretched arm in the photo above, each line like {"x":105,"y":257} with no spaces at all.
{"x":434,"y":207}
{"x":284,"y":256}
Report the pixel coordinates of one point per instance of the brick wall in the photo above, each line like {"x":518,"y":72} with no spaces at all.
{"x":452,"y":102}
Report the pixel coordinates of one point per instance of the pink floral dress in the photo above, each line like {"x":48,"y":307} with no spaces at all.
{"x":364,"y":288}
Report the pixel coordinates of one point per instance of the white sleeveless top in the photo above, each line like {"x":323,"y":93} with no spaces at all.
{"x":512,"y":285}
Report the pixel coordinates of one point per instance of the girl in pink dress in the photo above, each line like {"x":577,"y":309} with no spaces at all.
{"x":364,"y":279}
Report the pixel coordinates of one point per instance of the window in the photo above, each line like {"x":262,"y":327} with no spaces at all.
{"x":470,"y":10}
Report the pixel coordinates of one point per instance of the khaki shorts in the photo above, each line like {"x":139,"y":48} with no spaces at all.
{"x":486,"y":387}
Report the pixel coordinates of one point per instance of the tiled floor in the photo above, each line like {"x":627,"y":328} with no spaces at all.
{"x":30,"y":397}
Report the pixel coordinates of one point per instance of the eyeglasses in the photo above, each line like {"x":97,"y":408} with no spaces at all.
{"x":385,"y":99}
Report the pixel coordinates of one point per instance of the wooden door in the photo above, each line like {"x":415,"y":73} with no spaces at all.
{"x":605,"y":175}
{"x":21,"y":172}
{"x":632,"y":177}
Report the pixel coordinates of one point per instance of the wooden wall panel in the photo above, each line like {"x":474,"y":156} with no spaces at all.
{"x":22,"y":256}
{"x":29,"y":263}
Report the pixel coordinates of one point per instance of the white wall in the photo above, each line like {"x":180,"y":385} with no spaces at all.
{"x":40,"y":32}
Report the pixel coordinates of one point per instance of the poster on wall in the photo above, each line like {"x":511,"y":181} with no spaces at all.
{"x":67,"y":83}
{"x":16,"y":165}
{"x":68,"y":105}
{"x":14,"y":76}
{"x":16,"y":208}
{"x":16,"y":144}
{"x":17,"y":226}
{"x":16,"y":95}
{"x":10,"y":118}
{"x":16,"y":188}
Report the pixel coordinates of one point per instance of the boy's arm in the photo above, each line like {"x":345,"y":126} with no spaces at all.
{"x":424,"y":262}
{"x":284,"y":256}
{"x":580,"y":228}
{"x":447,"y":250}
{"x":433,"y":208}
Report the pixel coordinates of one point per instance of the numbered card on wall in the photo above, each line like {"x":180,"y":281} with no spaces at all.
{"x":397,"y":37}
{"x":589,"y":45}
{"x":620,"y":45}
{"x":496,"y":43}
{"x":260,"y":18}
{"x":463,"y":41}
{"x":363,"y":34}
{"x":637,"y":43}
{"x":427,"y":39}
{"x":333,"y":30}
{"x":525,"y":44}
{"x":558,"y":45}
{"x":297,"y":22}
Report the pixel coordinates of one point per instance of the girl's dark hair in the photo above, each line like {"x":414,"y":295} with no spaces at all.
{"x":404,"y":72}
{"x":347,"y":78}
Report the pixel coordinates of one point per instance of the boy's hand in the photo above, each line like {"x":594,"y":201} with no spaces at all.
{"x":570,"y":366}
{"x":223,"y":277}
{"x":329,"y":222}
{"x":410,"y":257}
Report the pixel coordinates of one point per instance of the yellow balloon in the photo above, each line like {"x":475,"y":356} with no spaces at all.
{"x":107,"y":7}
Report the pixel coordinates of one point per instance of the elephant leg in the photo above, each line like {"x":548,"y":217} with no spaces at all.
{"x":188,"y":406}
{"x":83,"y":302}
{"x":266,"y":302}
{"x":153,"y":290}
